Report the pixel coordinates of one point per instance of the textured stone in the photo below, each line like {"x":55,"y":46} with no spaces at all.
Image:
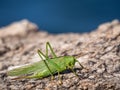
{"x":20,"y":28}
{"x":98,"y":52}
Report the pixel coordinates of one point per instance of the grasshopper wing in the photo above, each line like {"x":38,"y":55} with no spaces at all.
{"x":28,"y":69}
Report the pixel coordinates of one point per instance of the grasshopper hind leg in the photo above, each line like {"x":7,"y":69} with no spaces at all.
{"x":26,"y":77}
{"x":41,"y":54}
{"x":51,"y":49}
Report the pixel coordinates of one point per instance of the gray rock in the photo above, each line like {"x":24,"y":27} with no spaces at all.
{"x":97,"y":51}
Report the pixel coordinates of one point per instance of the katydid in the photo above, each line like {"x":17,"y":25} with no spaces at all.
{"x":46,"y":67}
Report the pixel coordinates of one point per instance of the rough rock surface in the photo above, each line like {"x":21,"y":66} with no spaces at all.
{"x":20,"y":28}
{"x":98,"y":51}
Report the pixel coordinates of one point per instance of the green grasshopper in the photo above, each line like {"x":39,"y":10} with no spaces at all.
{"x":46,"y":67}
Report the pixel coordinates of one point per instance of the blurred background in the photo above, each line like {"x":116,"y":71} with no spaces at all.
{"x":60,"y":16}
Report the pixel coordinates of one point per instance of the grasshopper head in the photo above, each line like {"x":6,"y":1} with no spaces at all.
{"x":70,"y":61}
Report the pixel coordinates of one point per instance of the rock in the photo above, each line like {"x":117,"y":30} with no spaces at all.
{"x":115,"y":22}
{"x":104,"y":26}
{"x":98,"y":52}
{"x":20,"y":28}
{"x":1,"y":66}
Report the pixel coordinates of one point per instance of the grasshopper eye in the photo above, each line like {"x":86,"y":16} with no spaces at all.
{"x":70,"y":64}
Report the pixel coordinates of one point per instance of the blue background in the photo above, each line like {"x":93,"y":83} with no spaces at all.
{"x":60,"y":16}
